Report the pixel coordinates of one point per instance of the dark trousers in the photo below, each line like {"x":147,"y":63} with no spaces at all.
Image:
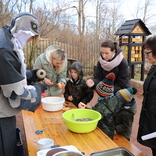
{"x":154,"y":151}
{"x":8,"y":143}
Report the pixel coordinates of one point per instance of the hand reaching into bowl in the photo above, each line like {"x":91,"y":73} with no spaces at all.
{"x":81,"y":105}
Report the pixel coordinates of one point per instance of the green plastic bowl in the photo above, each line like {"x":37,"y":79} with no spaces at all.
{"x":79,"y":126}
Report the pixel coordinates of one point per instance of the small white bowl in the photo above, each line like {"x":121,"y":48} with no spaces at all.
{"x":52,"y":103}
{"x":45,"y":143}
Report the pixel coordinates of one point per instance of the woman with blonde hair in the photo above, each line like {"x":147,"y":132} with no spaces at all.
{"x":54,"y":62}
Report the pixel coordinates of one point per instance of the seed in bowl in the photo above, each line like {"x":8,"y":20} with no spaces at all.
{"x":84,"y":119}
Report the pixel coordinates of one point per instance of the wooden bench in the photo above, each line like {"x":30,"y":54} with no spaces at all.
{"x":121,"y":141}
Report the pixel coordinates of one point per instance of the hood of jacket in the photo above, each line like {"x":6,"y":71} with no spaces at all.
{"x":78,"y":67}
{"x":119,"y":50}
{"x":132,"y":109}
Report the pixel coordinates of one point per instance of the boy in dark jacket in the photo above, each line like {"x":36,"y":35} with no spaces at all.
{"x":76,"y":89}
{"x":109,"y":104}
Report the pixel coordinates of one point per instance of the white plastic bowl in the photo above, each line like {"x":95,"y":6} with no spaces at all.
{"x":52,"y":103}
{"x":45,"y":143}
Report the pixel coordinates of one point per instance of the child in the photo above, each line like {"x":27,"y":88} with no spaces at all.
{"x":124,"y":119}
{"x":76,"y":89}
{"x":109,"y":104}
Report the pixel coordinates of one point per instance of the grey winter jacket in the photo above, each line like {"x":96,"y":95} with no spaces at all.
{"x":14,"y":91}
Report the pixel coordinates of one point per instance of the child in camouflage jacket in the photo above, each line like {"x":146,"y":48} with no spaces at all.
{"x":109,"y":104}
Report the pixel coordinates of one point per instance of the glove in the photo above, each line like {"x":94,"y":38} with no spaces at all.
{"x":131,"y":103}
{"x":40,"y":88}
{"x":43,"y":87}
{"x":32,"y":77}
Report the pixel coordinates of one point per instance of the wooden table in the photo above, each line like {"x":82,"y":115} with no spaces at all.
{"x":57,"y":130}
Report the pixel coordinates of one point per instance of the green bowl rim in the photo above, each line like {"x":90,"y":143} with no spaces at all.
{"x":79,"y":122}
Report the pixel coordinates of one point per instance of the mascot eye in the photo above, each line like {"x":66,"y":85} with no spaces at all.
{"x":33,"y":25}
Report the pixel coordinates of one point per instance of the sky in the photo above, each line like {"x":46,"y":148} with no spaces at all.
{"x":127,"y":8}
{"x":125,"y":3}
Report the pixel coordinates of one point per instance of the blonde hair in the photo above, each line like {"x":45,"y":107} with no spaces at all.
{"x":57,"y":53}
{"x":36,"y":40}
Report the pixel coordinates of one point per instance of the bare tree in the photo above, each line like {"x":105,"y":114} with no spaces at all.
{"x":19,"y":5}
{"x":145,"y":10}
{"x":142,"y":10}
{"x":115,"y":21}
{"x":108,"y":18}
{"x":6,"y":11}
{"x":50,"y":19}
{"x":81,"y":17}
{"x":1,"y":6}
{"x":31,"y":5}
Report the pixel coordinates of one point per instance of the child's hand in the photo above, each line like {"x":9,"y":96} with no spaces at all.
{"x":70,"y":98}
{"x":81,"y":105}
{"x":61,"y":85}
{"x":88,"y":107}
{"x":90,"y":83}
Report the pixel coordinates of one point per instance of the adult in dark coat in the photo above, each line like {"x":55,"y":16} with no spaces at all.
{"x":111,"y":60}
{"x":147,"y":123}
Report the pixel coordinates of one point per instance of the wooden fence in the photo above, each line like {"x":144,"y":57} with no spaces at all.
{"x":87,"y":53}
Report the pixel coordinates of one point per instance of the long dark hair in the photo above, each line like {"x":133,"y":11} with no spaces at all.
{"x":110,"y":44}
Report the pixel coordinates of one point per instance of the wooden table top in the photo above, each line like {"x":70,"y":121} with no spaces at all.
{"x":57,"y":130}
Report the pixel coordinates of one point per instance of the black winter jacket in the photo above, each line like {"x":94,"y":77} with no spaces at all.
{"x":122,"y":74}
{"x":147,"y":123}
{"x":79,"y":91}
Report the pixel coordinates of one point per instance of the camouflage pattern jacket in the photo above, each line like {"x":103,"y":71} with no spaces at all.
{"x":124,"y":121}
{"x":108,"y":107}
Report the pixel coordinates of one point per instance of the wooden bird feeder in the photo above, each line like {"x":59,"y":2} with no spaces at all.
{"x":132,"y":34}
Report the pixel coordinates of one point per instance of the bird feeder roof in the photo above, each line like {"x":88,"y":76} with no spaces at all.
{"x":131,"y":27}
